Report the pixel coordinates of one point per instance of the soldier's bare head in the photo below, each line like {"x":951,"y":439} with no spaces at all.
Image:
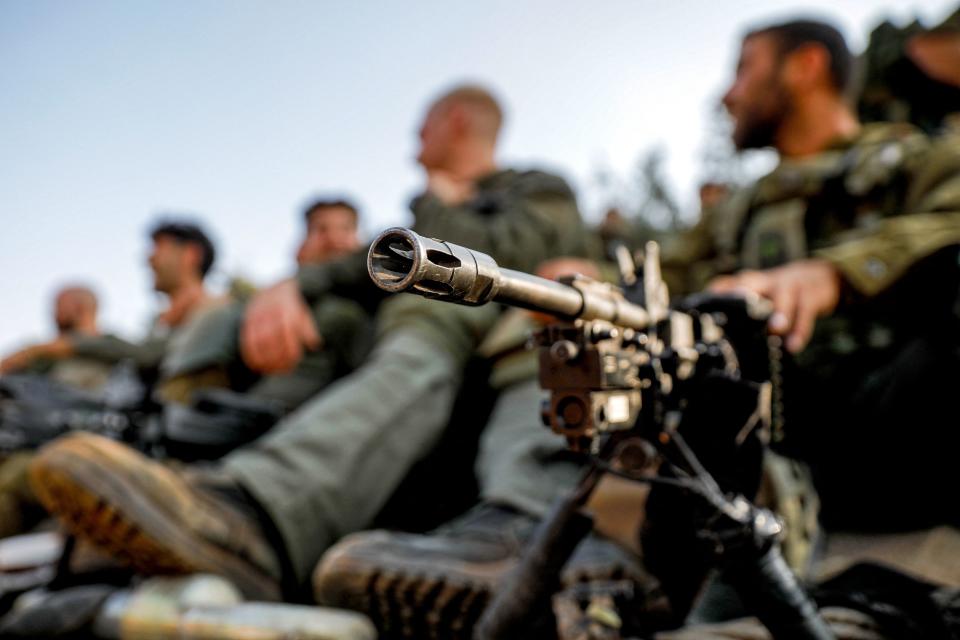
{"x":75,"y":309}
{"x":182,"y":255}
{"x":332,"y":225}
{"x":465,"y":118}
{"x":782,"y":70}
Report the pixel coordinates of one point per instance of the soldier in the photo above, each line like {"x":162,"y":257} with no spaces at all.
{"x":269,"y":510}
{"x":209,"y":353}
{"x":854,"y":238}
{"x":855,"y":233}
{"x":181,"y":256}
{"x":75,"y":313}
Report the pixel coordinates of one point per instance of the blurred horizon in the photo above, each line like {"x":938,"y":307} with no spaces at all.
{"x":236,"y":113}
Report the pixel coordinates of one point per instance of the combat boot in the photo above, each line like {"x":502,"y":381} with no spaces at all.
{"x":437,"y":585}
{"x":155,"y":519}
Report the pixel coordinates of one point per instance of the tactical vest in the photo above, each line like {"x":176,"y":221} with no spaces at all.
{"x":817,"y":202}
{"x":812,"y":203}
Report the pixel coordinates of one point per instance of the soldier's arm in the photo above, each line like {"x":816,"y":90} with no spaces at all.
{"x":111,"y":349}
{"x":347,"y":332}
{"x":872,"y":262}
{"x":928,"y":222}
{"x":346,"y":277}
{"x":35,"y":354}
{"x":105,"y":348}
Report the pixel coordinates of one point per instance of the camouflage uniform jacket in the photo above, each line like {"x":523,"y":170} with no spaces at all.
{"x":874,"y":206}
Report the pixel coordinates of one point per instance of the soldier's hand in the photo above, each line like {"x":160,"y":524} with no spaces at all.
{"x":938,"y":55}
{"x":556,"y":268}
{"x":800,"y":291}
{"x":450,"y":189}
{"x":16,"y":361}
{"x":277,"y":327}
{"x":54,"y":350}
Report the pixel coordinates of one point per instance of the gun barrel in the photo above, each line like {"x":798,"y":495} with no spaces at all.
{"x":402,"y":260}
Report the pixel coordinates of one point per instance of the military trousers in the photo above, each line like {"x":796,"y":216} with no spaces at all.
{"x":328,"y":468}
{"x":521,"y":463}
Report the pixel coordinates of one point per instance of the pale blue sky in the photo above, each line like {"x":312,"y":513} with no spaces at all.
{"x":237,"y":111}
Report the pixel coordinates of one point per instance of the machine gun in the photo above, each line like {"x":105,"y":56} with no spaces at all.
{"x":35,"y":410}
{"x":683,"y":398}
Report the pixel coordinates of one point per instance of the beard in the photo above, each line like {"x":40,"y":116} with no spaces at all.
{"x":759,"y":122}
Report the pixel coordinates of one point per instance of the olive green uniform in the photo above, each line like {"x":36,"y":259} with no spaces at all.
{"x":147,"y":354}
{"x":211,"y":346}
{"x":328,"y":468}
{"x":80,"y":371}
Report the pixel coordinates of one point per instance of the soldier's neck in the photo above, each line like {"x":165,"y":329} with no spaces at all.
{"x":86,"y":327}
{"x":184,"y":300}
{"x":814,"y":126}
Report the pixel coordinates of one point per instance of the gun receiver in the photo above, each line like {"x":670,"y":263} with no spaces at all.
{"x":605,"y":354}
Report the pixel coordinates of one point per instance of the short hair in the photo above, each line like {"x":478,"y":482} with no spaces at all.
{"x":81,"y":292}
{"x":329,"y":203}
{"x":188,"y":233}
{"x":479,"y":98}
{"x":790,"y":36}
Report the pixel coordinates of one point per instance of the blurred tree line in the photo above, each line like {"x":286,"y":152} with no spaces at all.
{"x":644,"y":205}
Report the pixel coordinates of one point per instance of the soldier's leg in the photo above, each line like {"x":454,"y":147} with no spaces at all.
{"x":438,"y":584}
{"x":324,"y":471}
{"x":329,"y":467}
{"x":294,"y":388}
{"x":521,"y":463}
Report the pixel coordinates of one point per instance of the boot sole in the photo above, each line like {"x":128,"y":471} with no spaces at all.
{"x":406,"y":603}
{"x":132,"y":525}
{"x":412,"y":597}
{"x":410,"y":606}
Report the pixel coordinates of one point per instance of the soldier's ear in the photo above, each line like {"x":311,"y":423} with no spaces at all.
{"x":807,"y":66}
{"x":193,"y":255}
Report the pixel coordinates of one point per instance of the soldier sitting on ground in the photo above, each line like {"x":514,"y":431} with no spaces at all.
{"x":854,"y":238}
{"x":338,"y":338}
{"x":180,"y":258}
{"x":266,"y":513}
{"x":75,"y":314}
